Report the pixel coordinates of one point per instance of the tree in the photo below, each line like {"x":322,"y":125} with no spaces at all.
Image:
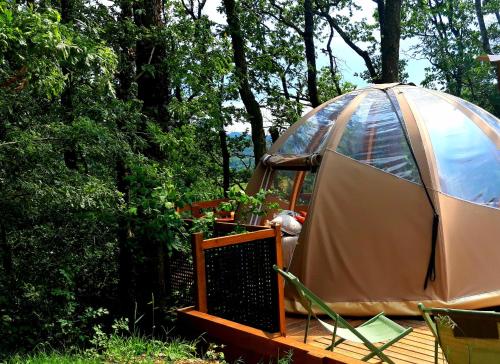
{"x":308,"y":34}
{"x":389,"y":14}
{"x":325,"y":10}
{"x":246,"y":93}
{"x":451,"y":44}
{"x":152,"y":75}
{"x":288,"y":15}
{"x":482,"y":27}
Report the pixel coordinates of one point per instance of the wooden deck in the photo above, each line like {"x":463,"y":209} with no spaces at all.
{"x":256,"y":346}
{"x":417,"y":347}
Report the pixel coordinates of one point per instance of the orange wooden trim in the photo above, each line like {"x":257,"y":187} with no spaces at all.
{"x":196,"y":207}
{"x":208,"y":203}
{"x":297,"y":185}
{"x":237,"y":239}
{"x":281,"y":283}
{"x":242,"y":338}
{"x":199,"y":267}
{"x":229,"y":226}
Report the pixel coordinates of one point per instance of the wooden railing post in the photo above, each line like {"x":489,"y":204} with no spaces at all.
{"x":199,"y":269}
{"x":281,"y":283}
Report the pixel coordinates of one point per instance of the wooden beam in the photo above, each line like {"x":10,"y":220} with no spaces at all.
{"x":228,"y":227}
{"x":199,"y":270}
{"x":297,"y":185}
{"x":281,"y":283}
{"x":238,"y":239}
{"x":255,"y":345}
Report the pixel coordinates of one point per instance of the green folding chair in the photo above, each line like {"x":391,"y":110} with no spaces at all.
{"x":465,"y":336}
{"x":377,"y":329}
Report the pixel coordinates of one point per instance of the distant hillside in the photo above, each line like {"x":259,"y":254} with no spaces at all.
{"x":235,"y":162}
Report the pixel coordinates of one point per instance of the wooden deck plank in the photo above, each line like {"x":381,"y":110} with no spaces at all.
{"x":416,"y":348}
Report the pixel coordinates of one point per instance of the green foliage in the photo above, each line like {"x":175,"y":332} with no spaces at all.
{"x":326,"y":83}
{"x":248,"y":205}
{"x":448,"y":38}
{"x":287,"y":359}
{"x":117,"y":347}
{"x":92,"y":170}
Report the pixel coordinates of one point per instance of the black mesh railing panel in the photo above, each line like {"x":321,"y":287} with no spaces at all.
{"x":180,"y":279}
{"x":242,"y":285}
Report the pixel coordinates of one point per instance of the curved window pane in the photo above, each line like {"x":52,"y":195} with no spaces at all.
{"x":374,"y":136}
{"x":306,"y":191}
{"x":468,"y":162}
{"x":310,"y":136}
{"x":282,"y":185}
{"x":483,"y":114}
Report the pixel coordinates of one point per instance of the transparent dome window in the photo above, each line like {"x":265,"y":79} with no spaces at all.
{"x":468,"y":162}
{"x":282,"y":186}
{"x":311,"y":135}
{"x":374,"y":136}
{"x":483,"y":114}
{"x":291,"y":190}
{"x":306,"y":190}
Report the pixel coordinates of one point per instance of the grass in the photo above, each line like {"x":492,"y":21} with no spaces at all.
{"x":123,"y":346}
{"x":116,"y":349}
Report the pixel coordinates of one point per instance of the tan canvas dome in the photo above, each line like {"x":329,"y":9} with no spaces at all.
{"x":402,"y":188}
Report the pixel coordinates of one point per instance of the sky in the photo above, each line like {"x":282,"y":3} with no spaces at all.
{"x":348,"y":61}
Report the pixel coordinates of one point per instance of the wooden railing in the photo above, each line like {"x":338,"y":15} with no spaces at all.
{"x":235,"y":279}
{"x":199,"y":208}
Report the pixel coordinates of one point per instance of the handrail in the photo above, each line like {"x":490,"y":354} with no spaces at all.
{"x":196,"y":208}
{"x":238,"y":239}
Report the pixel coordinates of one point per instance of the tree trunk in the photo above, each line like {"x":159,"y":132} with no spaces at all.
{"x":124,"y":92}
{"x":127,"y":52}
{"x":332,"y":64}
{"x":225,"y":160}
{"x":390,"y":32}
{"x":152,"y":78}
{"x":70,"y":154}
{"x":482,"y":27}
{"x":275,"y":134}
{"x":125,"y":256}
{"x":154,"y":91}
{"x":308,"y":35}
{"x":5,"y":251}
{"x":239,"y":57}
{"x":66,"y":11}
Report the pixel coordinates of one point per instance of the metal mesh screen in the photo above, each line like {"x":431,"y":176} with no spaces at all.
{"x":242,"y":285}
{"x":180,"y":278}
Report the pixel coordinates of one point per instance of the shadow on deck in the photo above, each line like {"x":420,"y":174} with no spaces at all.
{"x":417,"y":347}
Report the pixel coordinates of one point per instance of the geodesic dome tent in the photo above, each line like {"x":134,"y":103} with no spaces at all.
{"x":402,"y":189}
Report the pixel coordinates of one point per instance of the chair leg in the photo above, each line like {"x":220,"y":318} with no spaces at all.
{"x":307,"y":326}
{"x":436,"y":348}
{"x":382,"y":356}
{"x":335,"y":344}
{"x":379,"y":351}
{"x":334,"y":333}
